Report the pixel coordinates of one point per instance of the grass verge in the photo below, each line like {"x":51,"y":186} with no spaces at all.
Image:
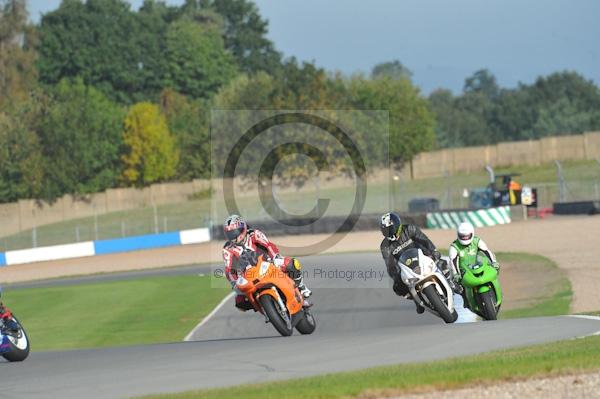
{"x":549,"y":291}
{"x":570,"y":356}
{"x":129,"y":312}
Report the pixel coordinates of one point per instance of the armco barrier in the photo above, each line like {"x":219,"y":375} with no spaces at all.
{"x":54,"y":252}
{"x":91,"y":248}
{"x":136,"y":243}
{"x":479,"y":218}
{"x":576,"y":208}
{"x":324,"y":225}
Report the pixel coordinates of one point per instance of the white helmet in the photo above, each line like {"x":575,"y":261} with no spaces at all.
{"x":465,"y":233}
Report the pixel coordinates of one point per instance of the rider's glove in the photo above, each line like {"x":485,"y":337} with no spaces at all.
{"x":496,"y":265}
{"x":456,"y":278}
{"x":436,"y":255}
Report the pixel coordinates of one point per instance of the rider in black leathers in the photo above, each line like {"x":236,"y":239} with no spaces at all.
{"x":397,"y":238}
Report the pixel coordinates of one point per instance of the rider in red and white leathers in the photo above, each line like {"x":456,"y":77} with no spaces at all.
{"x":239,"y":239}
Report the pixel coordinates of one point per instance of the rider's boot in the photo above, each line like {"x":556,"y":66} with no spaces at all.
{"x":302,"y":287}
{"x":294,"y":270}
{"x":447,"y":272}
{"x":420,"y":309}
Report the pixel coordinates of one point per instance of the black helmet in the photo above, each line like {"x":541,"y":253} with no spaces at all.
{"x":390,"y":226}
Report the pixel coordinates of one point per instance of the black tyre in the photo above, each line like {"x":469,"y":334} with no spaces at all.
{"x":19,"y":345}
{"x":439,"y":306}
{"x":282,"y":323}
{"x":308,"y":323}
{"x":488,"y":305}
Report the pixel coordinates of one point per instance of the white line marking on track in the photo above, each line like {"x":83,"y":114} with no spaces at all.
{"x":585,"y":316}
{"x":207,"y":318}
{"x":588,"y":317}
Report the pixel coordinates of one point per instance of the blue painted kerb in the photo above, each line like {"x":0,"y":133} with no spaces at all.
{"x":136,"y":243}
{"x":2,"y":259}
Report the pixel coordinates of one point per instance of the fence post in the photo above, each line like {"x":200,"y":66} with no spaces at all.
{"x":77,"y":233}
{"x":155,"y":218}
{"x":561,"y":183}
{"x":95,"y":224}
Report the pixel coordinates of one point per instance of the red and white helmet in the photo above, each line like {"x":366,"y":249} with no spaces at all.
{"x":235,"y":228}
{"x":465,"y":233}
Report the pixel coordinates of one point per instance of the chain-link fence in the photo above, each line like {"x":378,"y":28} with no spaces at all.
{"x":452,"y":192}
{"x":151,"y":220}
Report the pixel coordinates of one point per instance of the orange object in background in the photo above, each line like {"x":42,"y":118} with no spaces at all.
{"x":514,"y":192}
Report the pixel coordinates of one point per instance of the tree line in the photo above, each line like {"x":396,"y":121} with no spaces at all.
{"x":98,"y":95}
{"x":558,"y":104}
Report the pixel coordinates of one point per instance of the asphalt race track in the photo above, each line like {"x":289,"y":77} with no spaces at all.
{"x":361,"y":323}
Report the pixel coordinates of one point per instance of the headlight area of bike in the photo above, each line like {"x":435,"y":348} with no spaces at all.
{"x":410,"y":259}
{"x":476,"y":266}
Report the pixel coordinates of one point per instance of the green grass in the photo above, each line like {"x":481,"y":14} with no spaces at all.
{"x":571,"y":356}
{"x":128,"y":312}
{"x":582,"y":178}
{"x":554,"y":298}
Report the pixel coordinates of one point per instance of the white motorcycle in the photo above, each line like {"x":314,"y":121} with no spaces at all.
{"x":427,"y":284}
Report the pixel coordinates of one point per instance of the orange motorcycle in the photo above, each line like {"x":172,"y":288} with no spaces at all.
{"x":273,"y":293}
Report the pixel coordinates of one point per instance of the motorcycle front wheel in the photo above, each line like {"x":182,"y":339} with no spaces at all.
{"x":19,"y":345}
{"x":283,"y":326}
{"x":439,"y":306}
{"x":488,"y":305}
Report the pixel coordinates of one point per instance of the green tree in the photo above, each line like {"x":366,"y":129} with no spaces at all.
{"x":198,"y":62}
{"x":513,"y":114}
{"x":150,"y":150}
{"x":245,"y":33}
{"x":80,"y":135}
{"x":18,"y":76}
{"x":563,"y":117}
{"x":482,"y":81}
{"x":188,"y":121}
{"x":448,"y":118}
{"x":100,"y":41}
{"x":21,"y":162}
{"x":391,"y":69}
{"x":247,"y":92}
{"x":153,"y":19}
{"x":411,"y":123}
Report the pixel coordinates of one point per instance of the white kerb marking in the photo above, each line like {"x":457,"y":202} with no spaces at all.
{"x":207,"y":318}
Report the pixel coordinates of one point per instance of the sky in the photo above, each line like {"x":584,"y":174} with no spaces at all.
{"x":442,"y":42}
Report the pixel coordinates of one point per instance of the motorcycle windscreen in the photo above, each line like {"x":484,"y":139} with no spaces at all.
{"x":410,"y":258}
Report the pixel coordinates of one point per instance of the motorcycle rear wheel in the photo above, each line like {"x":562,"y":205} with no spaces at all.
{"x":308,"y":323}
{"x":272,"y":310}
{"x":19,"y":346}
{"x":439,"y":306}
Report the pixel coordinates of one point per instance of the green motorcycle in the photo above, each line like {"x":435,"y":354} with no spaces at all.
{"x":482,"y":294}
